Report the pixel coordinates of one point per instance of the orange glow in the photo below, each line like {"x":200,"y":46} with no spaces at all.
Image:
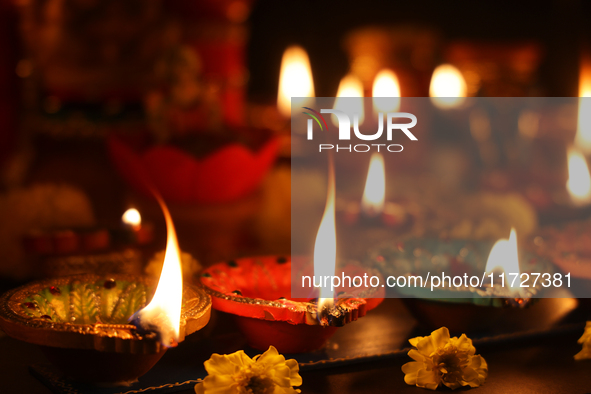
{"x":579,"y":179}
{"x":132,"y":218}
{"x":505,"y":255}
{"x":386,"y":92}
{"x":295,"y":79}
{"x":325,"y":246}
{"x":583,"y":136}
{"x":164,"y":311}
{"x":448,"y":87}
{"x":374,"y":194}
{"x":350,"y":86}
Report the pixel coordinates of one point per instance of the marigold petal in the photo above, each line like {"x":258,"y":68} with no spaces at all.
{"x":415,"y":341}
{"x":416,"y":355}
{"x":425,"y":346}
{"x":227,"y":364}
{"x":412,"y":367}
{"x":428,"y":379}
{"x":271,"y":357}
{"x":440,"y":337}
{"x":294,"y":376}
{"x":199,"y":388}
{"x":219,"y":384}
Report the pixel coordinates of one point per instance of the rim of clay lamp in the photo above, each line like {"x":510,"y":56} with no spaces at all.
{"x":104,"y":337}
{"x":296,"y":311}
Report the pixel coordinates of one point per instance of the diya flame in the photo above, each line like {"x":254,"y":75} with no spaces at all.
{"x":163,"y":313}
{"x":325,"y":247}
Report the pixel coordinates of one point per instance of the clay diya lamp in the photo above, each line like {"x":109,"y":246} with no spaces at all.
{"x":256,"y":291}
{"x":81,"y":324}
{"x":463,"y":307}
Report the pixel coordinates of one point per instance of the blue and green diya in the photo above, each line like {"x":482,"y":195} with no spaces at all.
{"x":456,"y":307}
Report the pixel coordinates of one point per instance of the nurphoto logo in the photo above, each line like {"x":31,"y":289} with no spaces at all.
{"x":345,"y":130}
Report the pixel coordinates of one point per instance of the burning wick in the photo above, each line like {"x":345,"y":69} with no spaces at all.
{"x":132,"y":218}
{"x":325,"y":247}
{"x":163,"y":314}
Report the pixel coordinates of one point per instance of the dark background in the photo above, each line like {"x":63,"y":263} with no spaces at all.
{"x":561,"y":27}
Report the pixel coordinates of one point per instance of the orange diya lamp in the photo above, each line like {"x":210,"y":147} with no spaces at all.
{"x":101,"y":329}
{"x":256,"y":291}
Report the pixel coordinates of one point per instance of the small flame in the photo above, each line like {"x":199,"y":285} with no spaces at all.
{"x":350,"y":86}
{"x":579,"y":179}
{"x":374,"y":194}
{"x":164,"y":311}
{"x":132,"y":218}
{"x":386,"y":92}
{"x":295,"y":79}
{"x":325,"y":246}
{"x":448,"y":87}
{"x":504,"y":255}
{"x":583,"y":136}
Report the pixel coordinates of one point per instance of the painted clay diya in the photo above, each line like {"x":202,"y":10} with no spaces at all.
{"x":81,"y":324}
{"x":458,"y":308}
{"x":255,"y":290}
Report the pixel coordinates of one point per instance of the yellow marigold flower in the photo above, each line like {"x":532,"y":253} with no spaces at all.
{"x":585,"y":340}
{"x":236,"y":373}
{"x":440,"y":359}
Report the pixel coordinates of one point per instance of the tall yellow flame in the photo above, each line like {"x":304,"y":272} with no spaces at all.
{"x":505,"y":255}
{"x":579,"y":179}
{"x":448,"y":87}
{"x":325,"y":246}
{"x":374,"y":193}
{"x":165,"y":308}
{"x":295,"y":79}
{"x":350,"y":86}
{"x":386,"y":92}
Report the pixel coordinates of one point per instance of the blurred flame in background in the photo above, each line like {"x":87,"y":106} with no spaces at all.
{"x":350,"y":86}
{"x":448,"y":87}
{"x":295,"y":79}
{"x":386,"y":92}
{"x":579,"y":179}
{"x":374,"y":194}
{"x":583,"y":136}
{"x":132,"y":218}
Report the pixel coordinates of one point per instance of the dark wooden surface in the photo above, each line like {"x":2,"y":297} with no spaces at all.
{"x":530,"y":364}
